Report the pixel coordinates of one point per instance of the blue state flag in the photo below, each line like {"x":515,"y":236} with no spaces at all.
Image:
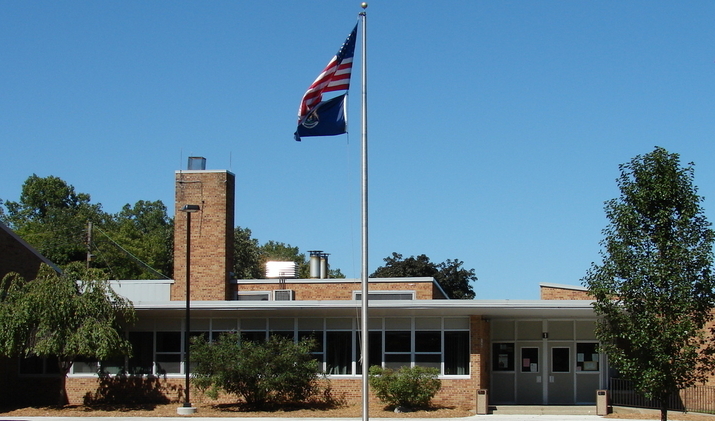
{"x":326,"y":119}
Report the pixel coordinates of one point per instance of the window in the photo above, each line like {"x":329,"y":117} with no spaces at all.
{"x":168,"y":352}
{"x":386,"y":295}
{"x":529,"y":360}
{"x":374,"y":343}
{"x":398,"y":345}
{"x":394,"y":342}
{"x":253,"y":336}
{"x":456,"y":352}
{"x":338,"y":352}
{"x":503,"y":356}
{"x":316,"y":352}
{"x":587,"y":357}
{"x":560,"y":360}
{"x":428,"y":349}
{"x":38,"y":365}
{"x":142,"y":352}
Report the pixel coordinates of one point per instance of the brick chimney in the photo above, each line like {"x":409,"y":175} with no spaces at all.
{"x":211,"y":233}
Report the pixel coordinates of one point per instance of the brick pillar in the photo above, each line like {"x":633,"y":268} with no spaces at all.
{"x":211,"y":234}
{"x":480,"y":352}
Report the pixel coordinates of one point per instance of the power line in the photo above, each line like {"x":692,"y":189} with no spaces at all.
{"x":133,"y":257}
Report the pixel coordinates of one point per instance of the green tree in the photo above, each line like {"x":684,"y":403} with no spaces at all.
{"x":248,"y":263}
{"x":136,"y":243}
{"x":63,"y":316}
{"x":654,"y":287}
{"x":262,"y":373}
{"x":451,"y":276}
{"x":52,"y":217}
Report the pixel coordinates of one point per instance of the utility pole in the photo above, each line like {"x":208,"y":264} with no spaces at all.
{"x":89,"y":243}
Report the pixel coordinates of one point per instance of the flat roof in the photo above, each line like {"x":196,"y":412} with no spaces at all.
{"x":503,"y":309}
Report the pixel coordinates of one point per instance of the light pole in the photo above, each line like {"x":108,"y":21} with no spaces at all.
{"x":187,"y":409}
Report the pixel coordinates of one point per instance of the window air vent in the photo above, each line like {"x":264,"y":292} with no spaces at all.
{"x":283,"y":295}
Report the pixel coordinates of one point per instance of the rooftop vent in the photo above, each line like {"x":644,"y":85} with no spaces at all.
{"x":197,"y":163}
{"x":319,"y":267}
{"x":281,"y":270}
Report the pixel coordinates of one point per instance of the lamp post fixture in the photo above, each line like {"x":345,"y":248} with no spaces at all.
{"x":187,"y":409}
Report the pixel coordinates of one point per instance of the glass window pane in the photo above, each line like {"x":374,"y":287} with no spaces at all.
{"x":168,"y":364}
{"x":429,"y":360}
{"x":428,"y":341}
{"x":502,"y":357}
{"x":456,"y":352}
{"x":284,"y":334}
{"x":168,"y":341}
{"x":338,"y":350}
{"x":396,"y":361}
{"x":142,"y":352}
{"x":253,"y":336}
{"x":113,"y":366}
{"x":560,"y":360}
{"x":587,"y":358}
{"x":398,"y":341}
{"x":194,"y":334}
{"x":529,"y":360}
{"x":85,"y":365}
{"x":374,"y":352}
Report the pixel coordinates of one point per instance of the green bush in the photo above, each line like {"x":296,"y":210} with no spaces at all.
{"x":262,"y":373}
{"x":411,"y":387}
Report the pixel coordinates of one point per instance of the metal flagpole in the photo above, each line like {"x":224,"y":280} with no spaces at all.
{"x":363,"y":279}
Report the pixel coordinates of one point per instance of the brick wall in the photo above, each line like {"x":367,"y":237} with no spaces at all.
{"x":563,"y":293}
{"x":335,"y":289}
{"x":460,"y":393}
{"x":211,"y":234}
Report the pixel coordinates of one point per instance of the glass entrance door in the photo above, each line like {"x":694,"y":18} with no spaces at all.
{"x":530,"y":374}
{"x":539,"y":362}
{"x":561,"y":376}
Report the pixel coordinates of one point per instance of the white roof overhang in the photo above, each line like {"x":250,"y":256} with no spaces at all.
{"x":492,"y":309}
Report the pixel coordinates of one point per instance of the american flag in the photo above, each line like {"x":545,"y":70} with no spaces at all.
{"x":335,"y":77}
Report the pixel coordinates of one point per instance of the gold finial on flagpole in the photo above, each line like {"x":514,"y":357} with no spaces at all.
{"x":363,"y":5}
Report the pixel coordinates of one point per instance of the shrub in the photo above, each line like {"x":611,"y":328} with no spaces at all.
{"x":262,"y":373}
{"x":412,"y":387}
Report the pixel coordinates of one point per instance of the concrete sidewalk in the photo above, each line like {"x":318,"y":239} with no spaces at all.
{"x":510,"y":417}
{"x":491,"y":417}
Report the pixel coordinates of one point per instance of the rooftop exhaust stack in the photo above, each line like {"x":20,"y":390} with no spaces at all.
{"x":318,"y":264}
{"x":197,"y":163}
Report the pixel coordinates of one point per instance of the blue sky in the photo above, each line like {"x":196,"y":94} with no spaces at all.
{"x":495,"y":128}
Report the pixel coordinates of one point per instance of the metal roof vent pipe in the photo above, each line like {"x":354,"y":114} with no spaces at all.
{"x":324,"y":267}
{"x":315,"y":263}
